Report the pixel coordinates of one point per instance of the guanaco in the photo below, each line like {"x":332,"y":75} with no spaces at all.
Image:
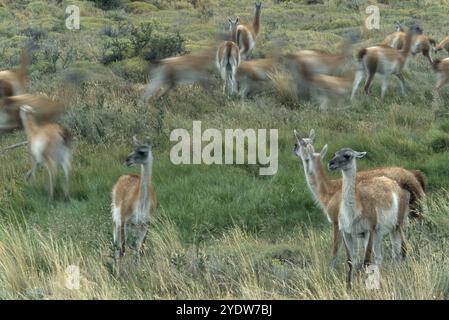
{"x":17,"y":78}
{"x":45,"y":110}
{"x":420,"y":43}
{"x":370,"y":208}
{"x":50,"y":145}
{"x":384,"y":60}
{"x":327,"y":192}
{"x":245,"y":35}
{"x":167,"y":73}
{"x":134,"y":201}
{"x":227,"y":62}
{"x":253,"y":74}
{"x":441,"y":68}
{"x":305,"y":64}
{"x":443,"y":45}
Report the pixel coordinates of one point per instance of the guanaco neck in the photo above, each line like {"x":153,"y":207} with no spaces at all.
{"x":234,"y":35}
{"x":324,"y":185}
{"x":407,"y":47}
{"x":256,"y":22}
{"x":319,"y":183}
{"x":145,"y":183}
{"x":349,"y":191}
{"x":29,"y":123}
{"x":310,"y":178}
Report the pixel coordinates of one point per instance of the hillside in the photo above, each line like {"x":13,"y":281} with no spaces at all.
{"x":222,"y":231}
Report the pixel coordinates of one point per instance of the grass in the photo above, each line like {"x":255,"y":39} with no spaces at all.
{"x":222,"y":231}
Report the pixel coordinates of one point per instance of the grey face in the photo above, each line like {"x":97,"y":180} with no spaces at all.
{"x":416,"y":30}
{"x":140,"y":155}
{"x":301,"y":144}
{"x":343,"y":159}
{"x":258,"y":5}
{"x":233,"y":24}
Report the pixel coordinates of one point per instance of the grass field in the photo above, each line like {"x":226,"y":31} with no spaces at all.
{"x":222,"y":232}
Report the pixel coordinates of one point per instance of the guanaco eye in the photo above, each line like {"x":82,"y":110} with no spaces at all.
{"x":347,"y":156}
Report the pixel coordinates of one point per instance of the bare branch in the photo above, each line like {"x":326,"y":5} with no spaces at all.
{"x":14,"y":146}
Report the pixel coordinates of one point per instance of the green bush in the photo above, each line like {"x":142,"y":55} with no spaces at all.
{"x":134,"y":69}
{"x":108,"y":4}
{"x":128,"y":41}
{"x":114,"y":50}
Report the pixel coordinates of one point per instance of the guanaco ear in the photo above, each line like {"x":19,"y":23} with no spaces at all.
{"x":237,"y":20}
{"x":296,"y":134}
{"x":312,"y":135}
{"x":359,"y":154}
{"x":323,"y":152}
{"x":135,"y":141}
{"x":148,"y":141}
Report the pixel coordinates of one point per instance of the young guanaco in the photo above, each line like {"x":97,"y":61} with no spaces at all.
{"x":134,"y":201}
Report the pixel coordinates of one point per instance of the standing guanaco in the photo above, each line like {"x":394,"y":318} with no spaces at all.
{"x":245,"y":35}
{"x":369,"y":208}
{"x":227,"y":62}
{"x":134,"y":200}
{"x":384,"y":60}
{"x":50,"y":145}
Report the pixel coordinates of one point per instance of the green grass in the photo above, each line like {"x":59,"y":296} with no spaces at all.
{"x":222,"y":231}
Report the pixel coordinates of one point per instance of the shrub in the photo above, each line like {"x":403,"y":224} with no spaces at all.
{"x":114,"y":50}
{"x":107,"y":4}
{"x":139,"y":7}
{"x":36,"y":32}
{"x":141,"y":36}
{"x":440,"y":143}
{"x":134,"y":69}
{"x":128,"y":41}
{"x":161,"y":47}
{"x":48,"y":57}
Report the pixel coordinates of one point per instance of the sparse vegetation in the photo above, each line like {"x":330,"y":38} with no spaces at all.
{"x":221,"y":231}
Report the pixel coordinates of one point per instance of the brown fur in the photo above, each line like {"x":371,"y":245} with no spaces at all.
{"x":254,"y":73}
{"x":46,"y":110}
{"x":170,"y":72}
{"x":443,"y":45}
{"x":241,"y":35}
{"x":441,"y":68}
{"x":422,"y":43}
{"x":329,"y":87}
{"x":17,"y":78}
{"x":126,"y":192}
{"x":306,"y":64}
{"x":385,"y":60}
{"x":134,"y":202}
{"x":329,"y":191}
{"x":54,"y":141}
{"x":406,"y":179}
{"x":227,"y":62}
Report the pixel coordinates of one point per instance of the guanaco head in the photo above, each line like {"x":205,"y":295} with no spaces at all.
{"x":438,"y":48}
{"x":141,"y":155}
{"x":233,"y":24}
{"x":301,"y":145}
{"x":26,"y":114}
{"x":306,"y":152}
{"x":258,"y":6}
{"x":26,"y":110}
{"x":415,"y":29}
{"x":398,"y":27}
{"x":344,"y":159}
